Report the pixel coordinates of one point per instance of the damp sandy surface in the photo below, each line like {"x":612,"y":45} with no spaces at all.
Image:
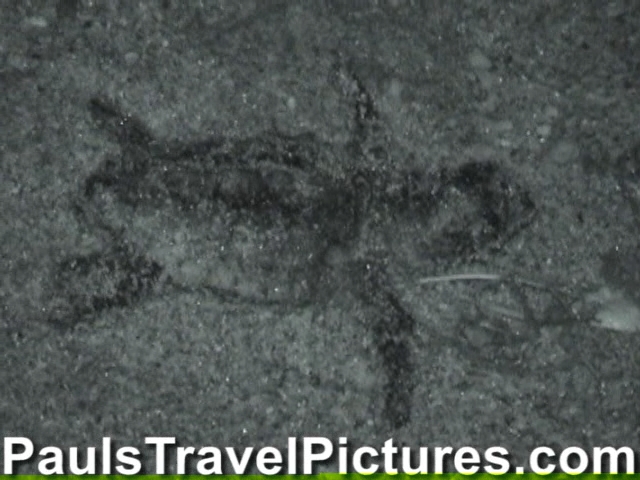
{"x":546,"y":92}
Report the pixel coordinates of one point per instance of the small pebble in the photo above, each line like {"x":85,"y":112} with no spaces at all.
{"x":622,"y":315}
{"x":479,"y":61}
{"x":503,"y":126}
{"x":551,"y":112}
{"x":615,"y":310}
{"x":131,"y":58}
{"x":36,"y":22}
{"x":395,"y":88}
{"x":543,"y":130}
{"x":565,"y":151}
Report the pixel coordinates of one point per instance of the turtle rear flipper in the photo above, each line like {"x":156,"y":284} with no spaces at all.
{"x":86,"y":285}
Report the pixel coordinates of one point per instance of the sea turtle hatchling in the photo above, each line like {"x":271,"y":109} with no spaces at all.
{"x":263,"y":219}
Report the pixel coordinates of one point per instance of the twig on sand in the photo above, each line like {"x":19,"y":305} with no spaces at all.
{"x":483,"y":277}
{"x":462,"y":277}
{"x":517,"y":285}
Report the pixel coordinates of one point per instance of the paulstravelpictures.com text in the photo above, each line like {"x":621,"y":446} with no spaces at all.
{"x":307,"y":455}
